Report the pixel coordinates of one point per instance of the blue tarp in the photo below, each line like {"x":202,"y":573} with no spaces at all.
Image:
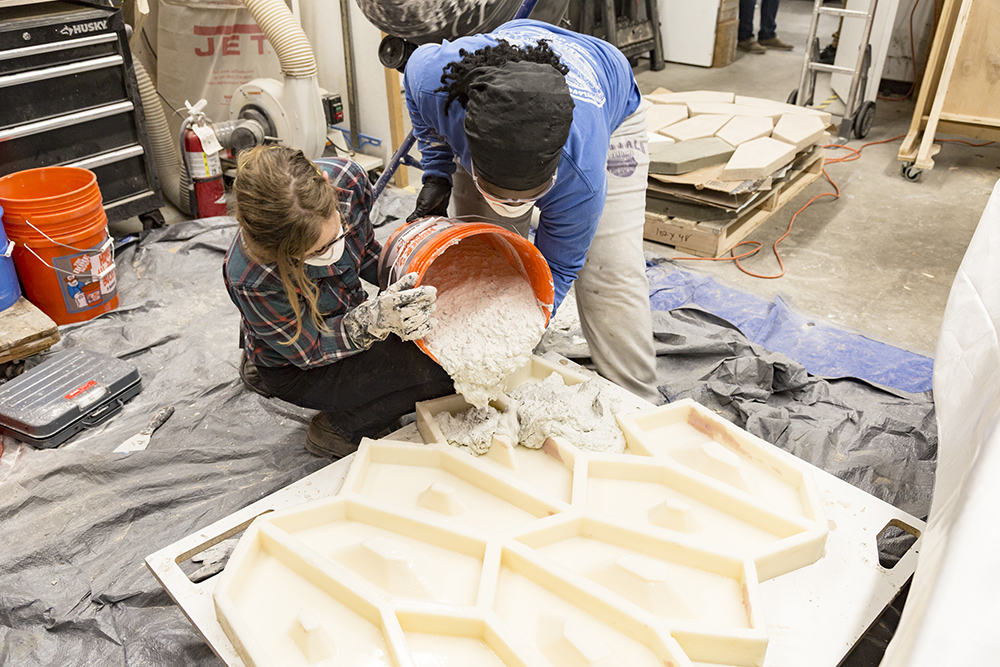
{"x":823,"y":349}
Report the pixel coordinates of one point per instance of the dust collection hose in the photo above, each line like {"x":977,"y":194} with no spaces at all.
{"x":289,"y":41}
{"x":163,"y":143}
{"x":295,"y":55}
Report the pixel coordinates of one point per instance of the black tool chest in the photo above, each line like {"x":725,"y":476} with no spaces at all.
{"x":68,"y":96}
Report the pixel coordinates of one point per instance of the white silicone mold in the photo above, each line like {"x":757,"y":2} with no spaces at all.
{"x":551,"y":558}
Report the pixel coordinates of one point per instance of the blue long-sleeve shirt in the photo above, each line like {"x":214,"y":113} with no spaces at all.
{"x":601,"y":83}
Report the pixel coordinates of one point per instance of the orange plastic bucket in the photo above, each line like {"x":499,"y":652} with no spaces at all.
{"x":413,"y":247}
{"x":63,"y":253}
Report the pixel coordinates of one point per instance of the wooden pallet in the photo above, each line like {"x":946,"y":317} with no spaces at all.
{"x":24,"y":331}
{"x":714,"y":239}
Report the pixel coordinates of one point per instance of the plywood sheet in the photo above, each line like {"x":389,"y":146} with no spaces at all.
{"x":974,"y":89}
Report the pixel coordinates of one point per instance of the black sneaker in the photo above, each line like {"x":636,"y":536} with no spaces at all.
{"x":321,"y":440}
{"x":828,"y":54}
{"x":251,"y":378}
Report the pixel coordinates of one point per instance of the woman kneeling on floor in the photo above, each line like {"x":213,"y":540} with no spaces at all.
{"x":311,"y":334}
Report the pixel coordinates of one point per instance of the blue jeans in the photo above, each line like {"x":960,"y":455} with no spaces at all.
{"x":768,"y":12}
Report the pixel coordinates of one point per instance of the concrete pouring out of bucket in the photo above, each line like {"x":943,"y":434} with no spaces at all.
{"x":489,"y":320}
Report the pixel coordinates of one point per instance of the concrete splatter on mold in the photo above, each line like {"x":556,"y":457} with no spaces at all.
{"x":488,"y":318}
{"x":474,"y":428}
{"x":583,"y":413}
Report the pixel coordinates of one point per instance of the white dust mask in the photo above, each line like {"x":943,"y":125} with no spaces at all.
{"x":508,"y":210}
{"x":331,"y":255}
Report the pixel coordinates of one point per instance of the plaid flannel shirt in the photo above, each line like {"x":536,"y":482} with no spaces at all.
{"x":267,"y":317}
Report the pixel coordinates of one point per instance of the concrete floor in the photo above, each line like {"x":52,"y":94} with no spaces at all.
{"x":881,"y":259}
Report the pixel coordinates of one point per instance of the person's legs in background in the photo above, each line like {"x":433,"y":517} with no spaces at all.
{"x":829,"y":53}
{"x":612,"y":291}
{"x":768,"y":36}
{"x":744,"y":36}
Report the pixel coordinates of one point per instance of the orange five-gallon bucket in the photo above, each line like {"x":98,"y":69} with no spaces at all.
{"x":63,"y":253}
{"x":413,"y":248}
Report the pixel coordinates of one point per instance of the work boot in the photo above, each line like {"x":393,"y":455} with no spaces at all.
{"x":828,"y":54}
{"x":251,"y":377}
{"x":321,"y":440}
{"x":750,"y":46}
{"x":775,"y":43}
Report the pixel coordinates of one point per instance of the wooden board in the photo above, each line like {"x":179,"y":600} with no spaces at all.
{"x":397,"y":132}
{"x":813,"y":617}
{"x":974,"y":89}
{"x":714,"y":239}
{"x":729,"y":10}
{"x":24,"y":331}
{"x":725,"y":43}
{"x":960,"y":91}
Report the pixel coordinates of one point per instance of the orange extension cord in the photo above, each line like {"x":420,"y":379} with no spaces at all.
{"x":855,"y":153}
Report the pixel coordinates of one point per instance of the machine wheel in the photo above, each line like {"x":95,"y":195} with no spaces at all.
{"x":793,"y":96}
{"x":151,"y":219}
{"x":910,"y":172}
{"x":864,"y":119}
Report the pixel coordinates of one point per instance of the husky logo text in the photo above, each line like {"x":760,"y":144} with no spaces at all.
{"x":82,"y":28}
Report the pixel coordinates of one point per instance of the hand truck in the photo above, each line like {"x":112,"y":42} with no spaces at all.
{"x":859,"y":113}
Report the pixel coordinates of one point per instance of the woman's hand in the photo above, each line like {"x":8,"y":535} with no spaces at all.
{"x":402,"y":309}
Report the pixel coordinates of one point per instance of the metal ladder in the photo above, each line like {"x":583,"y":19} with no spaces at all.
{"x":859,"y":113}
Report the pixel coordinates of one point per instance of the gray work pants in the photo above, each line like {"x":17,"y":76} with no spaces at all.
{"x":612,"y":291}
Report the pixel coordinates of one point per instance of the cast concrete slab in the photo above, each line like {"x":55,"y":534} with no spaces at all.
{"x":757,"y":158}
{"x":742,"y":129}
{"x":696,"y":128}
{"x":692,"y":96}
{"x":686,"y":156}
{"x":723,"y":109}
{"x":656,"y":139}
{"x":783,"y":108}
{"x":798,"y":130}
{"x":659,"y":116}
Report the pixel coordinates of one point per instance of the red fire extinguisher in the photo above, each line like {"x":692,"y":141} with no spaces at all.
{"x":205,"y":170}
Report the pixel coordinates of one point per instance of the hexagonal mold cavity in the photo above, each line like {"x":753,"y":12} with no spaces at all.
{"x":710,"y":601}
{"x":445,"y":483}
{"x":573,"y":624}
{"x":660,"y":496}
{"x":538,"y":369}
{"x":694,"y":437}
{"x":282,"y":608}
{"x":403,"y":557}
{"x":548,"y":470}
{"x":443,"y":638}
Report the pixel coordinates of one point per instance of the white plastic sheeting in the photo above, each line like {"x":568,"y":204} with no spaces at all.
{"x":951,"y":614}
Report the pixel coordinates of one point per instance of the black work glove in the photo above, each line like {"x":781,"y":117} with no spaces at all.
{"x":433,"y":198}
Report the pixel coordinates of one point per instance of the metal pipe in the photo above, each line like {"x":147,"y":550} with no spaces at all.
{"x":394,"y":161}
{"x":352,"y":85}
{"x":525,"y":9}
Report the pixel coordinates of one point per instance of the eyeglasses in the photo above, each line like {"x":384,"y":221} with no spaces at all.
{"x":339,"y":237}
{"x":512,"y":202}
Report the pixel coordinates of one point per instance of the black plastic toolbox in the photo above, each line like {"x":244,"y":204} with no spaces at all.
{"x":66,"y":393}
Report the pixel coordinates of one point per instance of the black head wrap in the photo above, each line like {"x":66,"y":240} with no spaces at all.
{"x":517,"y":121}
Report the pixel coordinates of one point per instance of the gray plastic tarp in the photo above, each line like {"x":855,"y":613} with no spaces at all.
{"x":76,"y":522}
